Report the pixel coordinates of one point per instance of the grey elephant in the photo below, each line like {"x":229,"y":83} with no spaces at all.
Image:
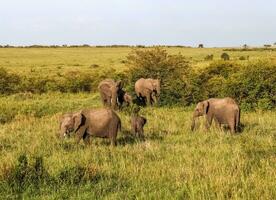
{"x":223,"y":111}
{"x":148,"y":90}
{"x":103,"y":122}
{"x":109,"y":91}
{"x":137,"y":123}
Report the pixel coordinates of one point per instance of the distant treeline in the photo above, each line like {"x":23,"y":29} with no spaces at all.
{"x":94,"y":46}
{"x":252,"y":49}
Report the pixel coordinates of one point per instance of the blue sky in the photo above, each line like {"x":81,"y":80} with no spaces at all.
{"x":174,"y":22}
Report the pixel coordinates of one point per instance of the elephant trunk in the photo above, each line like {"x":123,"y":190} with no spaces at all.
{"x":62,"y":133}
{"x":114,"y":100}
{"x":193,"y":123}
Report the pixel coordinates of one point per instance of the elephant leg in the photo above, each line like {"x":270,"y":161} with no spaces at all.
{"x":86,"y":138}
{"x":141,"y":133}
{"x":113,"y":141}
{"x":148,"y":99}
{"x":80,"y":134}
{"x":232,"y":127}
{"x":218,"y":125}
{"x":209,"y":120}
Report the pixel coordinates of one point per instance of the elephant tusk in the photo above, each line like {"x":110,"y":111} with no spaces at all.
{"x":64,"y":135}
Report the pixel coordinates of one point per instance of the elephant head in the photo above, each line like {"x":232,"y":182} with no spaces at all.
{"x":128,"y":98}
{"x":200,"y":110}
{"x":70,"y":122}
{"x":155,"y":88}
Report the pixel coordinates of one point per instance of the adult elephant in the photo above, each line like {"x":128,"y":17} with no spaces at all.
{"x":109,"y":91}
{"x":223,"y":111}
{"x":103,"y":122}
{"x":148,"y":89}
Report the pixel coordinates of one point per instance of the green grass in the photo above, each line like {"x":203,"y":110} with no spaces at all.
{"x":51,"y":61}
{"x":172,"y":162}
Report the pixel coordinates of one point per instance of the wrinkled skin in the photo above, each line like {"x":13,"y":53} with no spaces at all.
{"x":137,"y":125}
{"x":148,"y":90}
{"x":109,"y":91}
{"x":104,"y":123}
{"x":124,"y":98}
{"x":223,"y":111}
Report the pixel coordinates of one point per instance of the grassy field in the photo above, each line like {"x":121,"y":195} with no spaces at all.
{"x":172,"y":162}
{"x":51,"y":61}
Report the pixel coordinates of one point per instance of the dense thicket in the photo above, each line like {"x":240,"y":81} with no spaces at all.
{"x":252,"y":84}
{"x":158,"y":64}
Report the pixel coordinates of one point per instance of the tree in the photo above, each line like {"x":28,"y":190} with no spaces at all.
{"x":225,"y":56}
{"x":267,"y":45}
{"x":200,"y":46}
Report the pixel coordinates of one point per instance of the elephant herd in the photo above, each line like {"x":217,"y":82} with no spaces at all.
{"x":105,"y":123}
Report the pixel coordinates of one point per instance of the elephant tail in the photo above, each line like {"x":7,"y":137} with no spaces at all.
{"x":238,"y":118}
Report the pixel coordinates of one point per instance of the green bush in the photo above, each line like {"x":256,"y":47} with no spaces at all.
{"x":225,"y":56}
{"x":158,"y":64}
{"x":33,"y":176}
{"x":252,"y":85}
{"x":209,"y":57}
{"x":8,"y":82}
{"x":242,"y":58}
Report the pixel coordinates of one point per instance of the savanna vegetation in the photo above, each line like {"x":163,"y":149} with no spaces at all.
{"x":37,"y":85}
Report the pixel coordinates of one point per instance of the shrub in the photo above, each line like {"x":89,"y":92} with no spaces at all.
{"x":209,"y":57}
{"x":225,"y":56}
{"x":8,"y":82}
{"x":200,"y":46}
{"x":77,"y":82}
{"x":210,"y":81}
{"x":158,"y":64}
{"x":267,"y":45}
{"x":242,"y":58}
{"x":252,"y":85}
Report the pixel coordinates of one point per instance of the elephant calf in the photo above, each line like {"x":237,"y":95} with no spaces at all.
{"x":223,"y":111}
{"x":137,"y":124}
{"x":104,"y":123}
{"x":124,"y":98}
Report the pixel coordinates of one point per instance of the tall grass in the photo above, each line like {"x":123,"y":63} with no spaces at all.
{"x":171,"y":163}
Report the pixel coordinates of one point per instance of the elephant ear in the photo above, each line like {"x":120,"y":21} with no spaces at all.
{"x":206,"y":106}
{"x":150,"y":85}
{"x":79,"y":120}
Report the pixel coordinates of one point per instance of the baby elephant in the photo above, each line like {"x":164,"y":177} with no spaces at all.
{"x":223,"y":111}
{"x":137,"y":124}
{"x":124,"y":99}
